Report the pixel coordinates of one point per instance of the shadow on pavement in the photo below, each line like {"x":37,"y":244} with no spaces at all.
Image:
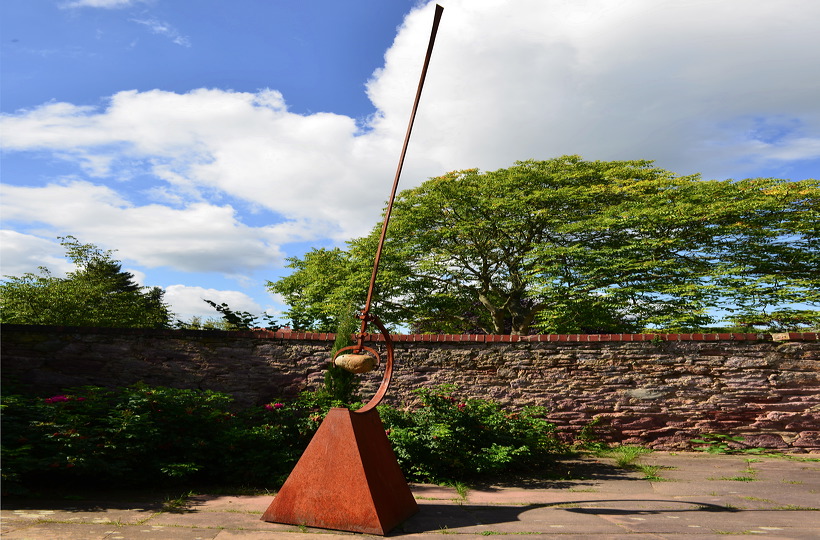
{"x":563,"y":474}
{"x":435,"y":517}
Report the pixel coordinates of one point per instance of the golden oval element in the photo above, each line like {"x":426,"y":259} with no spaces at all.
{"x":356,"y":363}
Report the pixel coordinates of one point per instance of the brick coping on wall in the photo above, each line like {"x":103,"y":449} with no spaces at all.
{"x":441,"y":338}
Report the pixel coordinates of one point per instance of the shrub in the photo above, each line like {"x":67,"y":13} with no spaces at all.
{"x":141,"y":435}
{"x":448,"y":440}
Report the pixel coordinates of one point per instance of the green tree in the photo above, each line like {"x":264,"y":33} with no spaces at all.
{"x":567,"y":245}
{"x":96,"y":293}
{"x":322,"y":286}
{"x":780,"y":320}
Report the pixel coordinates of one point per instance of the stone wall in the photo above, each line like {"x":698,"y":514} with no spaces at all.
{"x":659,"y":390}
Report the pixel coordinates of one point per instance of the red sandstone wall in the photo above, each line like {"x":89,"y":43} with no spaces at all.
{"x":657,"y":390}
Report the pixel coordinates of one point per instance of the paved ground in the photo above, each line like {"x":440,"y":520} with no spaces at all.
{"x":700,"y":496}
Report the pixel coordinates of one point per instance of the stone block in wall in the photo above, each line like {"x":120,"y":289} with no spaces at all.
{"x":803,"y":423}
{"x":797,"y":378}
{"x":764,"y":440}
{"x":626,"y":422}
{"x":706,"y":426}
{"x":650,"y":393}
{"x":807,"y":439}
{"x":505,"y":372}
{"x":677,"y":441}
{"x":745,"y":361}
{"x":796,"y":393}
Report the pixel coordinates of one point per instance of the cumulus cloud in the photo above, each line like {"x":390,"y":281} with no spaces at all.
{"x":23,"y":253}
{"x":187,"y":302}
{"x":311,"y":169}
{"x":198,"y":237}
{"x":719,"y":88}
{"x":638,"y":79}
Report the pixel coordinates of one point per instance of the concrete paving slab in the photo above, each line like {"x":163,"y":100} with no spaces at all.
{"x":84,"y":515}
{"x":433,"y":492}
{"x":536,"y":518}
{"x":84,"y":531}
{"x":601,"y":502}
{"x":257,"y":535}
{"x":72,"y":531}
{"x":213,"y":520}
{"x":229,"y":503}
{"x":438,"y":516}
{"x":793,"y":534}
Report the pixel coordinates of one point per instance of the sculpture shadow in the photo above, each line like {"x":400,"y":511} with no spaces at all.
{"x":569,"y":473}
{"x":438,"y":517}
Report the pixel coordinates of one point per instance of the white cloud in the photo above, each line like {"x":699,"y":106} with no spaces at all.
{"x":720,"y":88}
{"x":23,"y":253}
{"x":635,"y":79}
{"x":199,"y":237}
{"x":187,"y":302}
{"x":166,"y":29}
{"x":312,"y":169}
{"x":642,"y":78}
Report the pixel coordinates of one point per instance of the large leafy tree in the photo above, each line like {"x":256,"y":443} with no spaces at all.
{"x":567,"y":245}
{"x":96,"y":293}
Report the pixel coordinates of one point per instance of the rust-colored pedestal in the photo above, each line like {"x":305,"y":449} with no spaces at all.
{"x":347,"y":479}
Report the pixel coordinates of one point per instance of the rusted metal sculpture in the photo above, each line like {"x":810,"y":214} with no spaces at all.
{"x":348,"y":478}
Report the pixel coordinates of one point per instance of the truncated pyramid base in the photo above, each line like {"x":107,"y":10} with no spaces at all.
{"x":347,"y":479}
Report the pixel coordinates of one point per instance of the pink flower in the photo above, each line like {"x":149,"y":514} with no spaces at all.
{"x":269,"y":407}
{"x":57,"y":399}
{"x":272,"y":406}
{"x":461,"y":406}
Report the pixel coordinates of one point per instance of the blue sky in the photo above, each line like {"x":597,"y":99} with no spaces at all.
{"x":206,"y":141}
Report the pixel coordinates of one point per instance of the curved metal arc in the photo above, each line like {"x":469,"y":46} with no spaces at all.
{"x":388,"y":367}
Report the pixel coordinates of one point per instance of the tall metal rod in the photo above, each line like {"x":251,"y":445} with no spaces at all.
{"x":366,"y":310}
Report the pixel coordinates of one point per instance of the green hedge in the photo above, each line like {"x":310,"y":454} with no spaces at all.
{"x":151,"y":436}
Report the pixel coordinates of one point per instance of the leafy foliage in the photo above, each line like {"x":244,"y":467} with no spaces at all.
{"x":448,"y":440}
{"x":97,"y":293}
{"x":781,"y":320}
{"x":147,"y":435}
{"x":323,"y":285}
{"x":567,"y":245}
{"x":342,"y":386}
{"x":142,"y":435}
